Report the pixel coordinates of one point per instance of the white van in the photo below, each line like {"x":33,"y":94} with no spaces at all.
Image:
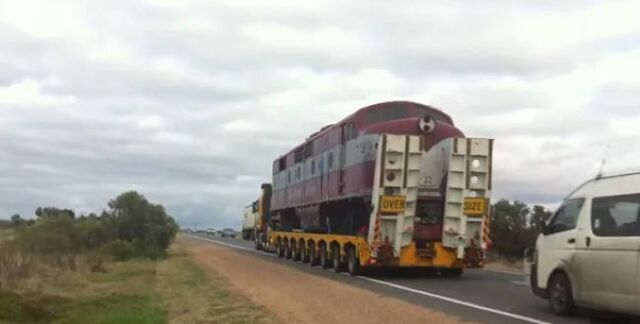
{"x":589,"y":251}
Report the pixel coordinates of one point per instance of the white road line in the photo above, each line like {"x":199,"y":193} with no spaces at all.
{"x":230,"y":245}
{"x":456,"y":301}
{"x":523,"y":283}
{"x":504,"y":271}
{"x":396,"y":286}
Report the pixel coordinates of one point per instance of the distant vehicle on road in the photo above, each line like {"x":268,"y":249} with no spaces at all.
{"x":228,"y":232}
{"x":249,"y":221}
{"x":211,"y":231}
{"x":589,"y":252}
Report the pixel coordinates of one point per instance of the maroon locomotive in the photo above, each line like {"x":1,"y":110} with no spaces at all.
{"x":324,"y":185}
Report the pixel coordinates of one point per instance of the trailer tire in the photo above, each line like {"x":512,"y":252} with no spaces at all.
{"x":325,"y":263}
{"x":313,"y":260}
{"x":353,"y":262}
{"x":338,"y":265}
{"x":280,"y":249}
{"x":288,"y":250}
{"x":304,"y":252}
{"x":297,"y":253}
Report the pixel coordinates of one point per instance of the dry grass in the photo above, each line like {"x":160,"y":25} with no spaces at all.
{"x":505,"y":265}
{"x":14,"y":266}
{"x":191,"y":296}
{"x":137,"y":291}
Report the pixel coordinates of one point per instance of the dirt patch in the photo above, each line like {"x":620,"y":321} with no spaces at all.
{"x":516,"y":267}
{"x":298,"y":297}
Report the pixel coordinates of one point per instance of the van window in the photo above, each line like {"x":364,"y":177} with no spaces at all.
{"x":566,"y":217}
{"x":616,"y":215}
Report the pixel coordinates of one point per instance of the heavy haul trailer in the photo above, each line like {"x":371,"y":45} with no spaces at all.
{"x":423,"y":201}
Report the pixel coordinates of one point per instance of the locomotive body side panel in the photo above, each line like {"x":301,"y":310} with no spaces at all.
{"x":337,"y":164}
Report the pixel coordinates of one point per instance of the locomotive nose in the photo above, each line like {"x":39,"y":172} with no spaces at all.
{"x":427,"y":124}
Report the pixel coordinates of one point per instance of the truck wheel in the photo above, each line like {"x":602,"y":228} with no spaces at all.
{"x":312,"y":254}
{"x":325,"y":263}
{"x":280,"y":249}
{"x":353,"y":262}
{"x":560,"y":295}
{"x":338,"y":265}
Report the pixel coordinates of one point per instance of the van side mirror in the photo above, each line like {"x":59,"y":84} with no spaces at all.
{"x":545,"y":230}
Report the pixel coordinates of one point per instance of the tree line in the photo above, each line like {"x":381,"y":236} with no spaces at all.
{"x":515,"y":227}
{"x":131,"y":226}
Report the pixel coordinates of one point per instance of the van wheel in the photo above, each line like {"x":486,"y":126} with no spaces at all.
{"x":560,"y":295}
{"x":353,"y":262}
{"x":325,"y":263}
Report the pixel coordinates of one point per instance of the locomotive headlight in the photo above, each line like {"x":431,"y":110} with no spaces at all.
{"x":391,"y":176}
{"x":427,"y":124}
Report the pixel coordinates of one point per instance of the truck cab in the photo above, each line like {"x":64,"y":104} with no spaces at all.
{"x":588,"y":254}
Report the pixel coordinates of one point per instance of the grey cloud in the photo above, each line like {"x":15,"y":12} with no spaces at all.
{"x":190,"y":103}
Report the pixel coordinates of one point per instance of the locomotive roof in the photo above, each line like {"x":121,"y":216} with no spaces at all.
{"x":404,"y":103}
{"x":377,"y":106}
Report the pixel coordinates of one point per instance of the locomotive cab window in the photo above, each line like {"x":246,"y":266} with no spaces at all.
{"x":384,"y":114}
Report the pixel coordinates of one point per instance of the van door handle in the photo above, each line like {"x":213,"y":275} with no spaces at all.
{"x":588,"y":241}
{"x":571,"y":241}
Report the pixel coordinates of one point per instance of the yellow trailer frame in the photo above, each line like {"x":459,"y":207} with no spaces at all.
{"x":302,"y":245}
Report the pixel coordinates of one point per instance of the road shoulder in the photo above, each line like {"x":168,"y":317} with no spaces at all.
{"x":295,"y":296}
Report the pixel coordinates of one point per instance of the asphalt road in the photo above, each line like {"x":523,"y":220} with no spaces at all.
{"x":479,"y":295}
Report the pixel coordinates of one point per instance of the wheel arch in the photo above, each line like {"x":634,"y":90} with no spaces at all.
{"x":564,"y":271}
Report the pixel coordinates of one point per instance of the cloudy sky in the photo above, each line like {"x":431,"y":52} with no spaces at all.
{"x":188,"y":102}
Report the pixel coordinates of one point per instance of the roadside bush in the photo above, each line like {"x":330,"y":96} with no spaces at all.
{"x":51,"y":240}
{"x":134,"y":219}
{"x":90,"y":232}
{"x":118,"y":250}
{"x":152,"y":252}
{"x":14,"y":265}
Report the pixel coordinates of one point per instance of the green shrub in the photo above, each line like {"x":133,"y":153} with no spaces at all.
{"x":118,"y":250}
{"x":134,"y":219}
{"x":50,"y":236}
